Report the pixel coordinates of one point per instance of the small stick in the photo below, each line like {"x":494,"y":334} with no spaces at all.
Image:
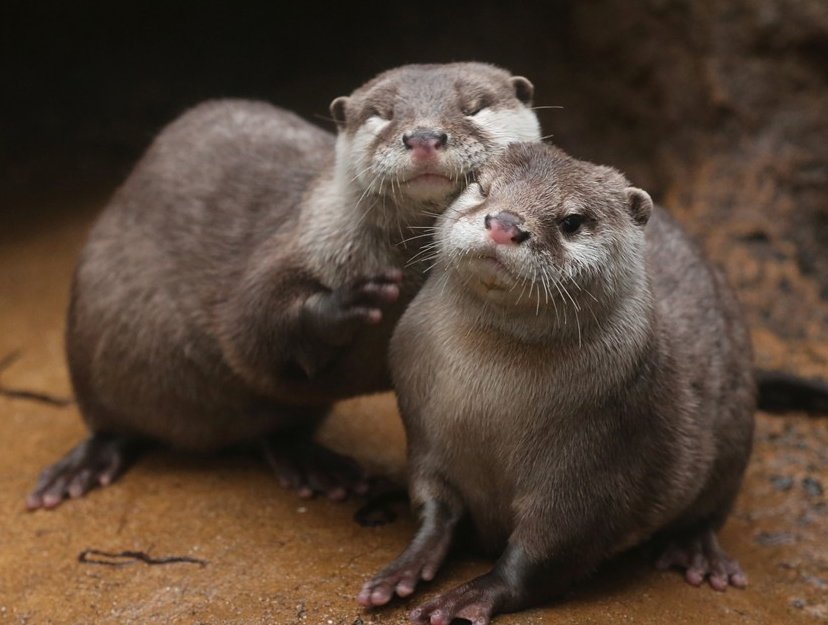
{"x":125,"y":558}
{"x":9,"y":359}
{"x":15,"y":393}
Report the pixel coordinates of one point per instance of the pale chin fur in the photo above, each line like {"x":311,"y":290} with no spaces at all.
{"x":384,"y":172}
{"x":508,"y":125}
{"x":352,"y":166}
{"x":379,"y":174}
{"x":466,"y":248}
{"x":514,"y":283}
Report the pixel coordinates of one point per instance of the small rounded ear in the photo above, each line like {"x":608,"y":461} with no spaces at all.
{"x":640,"y":204}
{"x":524,"y":90}
{"x":337,"y":109}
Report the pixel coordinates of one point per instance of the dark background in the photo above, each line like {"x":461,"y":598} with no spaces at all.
{"x":719,"y":109}
{"x":89,"y":84}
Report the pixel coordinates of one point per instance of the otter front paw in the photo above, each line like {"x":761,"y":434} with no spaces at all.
{"x":423,"y":557}
{"x":96,"y":462}
{"x":401,"y":577}
{"x":310,"y":469}
{"x":701,"y":557}
{"x":335,"y":315}
{"x":475,"y":601}
{"x":364,"y":299}
{"x":330,"y":319}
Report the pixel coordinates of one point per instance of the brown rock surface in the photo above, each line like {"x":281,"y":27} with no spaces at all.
{"x":273,"y":558}
{"x":720,"y":109}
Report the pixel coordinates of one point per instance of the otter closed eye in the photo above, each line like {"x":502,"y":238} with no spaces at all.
{"x":474,"y":109}
{"x":382,"y":114}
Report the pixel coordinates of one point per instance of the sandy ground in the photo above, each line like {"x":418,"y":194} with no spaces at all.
{"x":272,"y":558}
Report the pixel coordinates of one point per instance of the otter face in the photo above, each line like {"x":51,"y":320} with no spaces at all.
{"x":418,"y":132}
{"x":540,"y":228}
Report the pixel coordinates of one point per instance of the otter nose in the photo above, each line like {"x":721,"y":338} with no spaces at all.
{"x":424,"y":143}
{"x":504,"y":228}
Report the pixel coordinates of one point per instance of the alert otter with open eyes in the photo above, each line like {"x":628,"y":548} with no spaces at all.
{"x":247,"y":274}
{"x":575,"y":378}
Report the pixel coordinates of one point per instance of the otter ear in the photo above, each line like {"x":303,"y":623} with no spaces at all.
{"x":337,"y":109}
{"x":524,"y":90}
{"x":640,"y":204}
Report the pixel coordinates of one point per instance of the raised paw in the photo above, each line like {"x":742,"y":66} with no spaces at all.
{"x":701,"y":557}
{"x":311,"y":469}
{"x":365,"y":298}
{"x":97,"y":461}
{"x":476,"y":602}
{"x":331,"y":318}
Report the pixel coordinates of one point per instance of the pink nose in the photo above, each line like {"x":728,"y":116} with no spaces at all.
{"x":424,"y":144}
{"x":504,"y":228}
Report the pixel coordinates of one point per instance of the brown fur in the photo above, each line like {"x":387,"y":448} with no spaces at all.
{"x":576,"y":396}
{"x":218,"y":295}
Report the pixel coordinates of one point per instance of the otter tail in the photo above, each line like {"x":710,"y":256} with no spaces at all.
{"x":779,"y":392}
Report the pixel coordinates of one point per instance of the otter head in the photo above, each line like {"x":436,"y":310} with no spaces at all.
{"x":416,"y":133}
{"x":542,"y":231}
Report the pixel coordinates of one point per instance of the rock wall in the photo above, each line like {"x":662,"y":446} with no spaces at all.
{"x":721,"y":108}
{"x":718,"y":107}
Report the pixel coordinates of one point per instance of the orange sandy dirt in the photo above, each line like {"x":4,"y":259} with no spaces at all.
{"x":273,"y":558}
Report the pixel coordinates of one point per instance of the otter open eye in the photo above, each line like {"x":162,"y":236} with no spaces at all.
{"x":571,"y":223}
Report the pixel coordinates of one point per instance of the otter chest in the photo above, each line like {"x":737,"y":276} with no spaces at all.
{"x":486,"y":412}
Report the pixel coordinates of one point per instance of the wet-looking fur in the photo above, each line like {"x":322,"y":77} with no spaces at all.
{"x":250,"y":270}
{"x":574,"y":378}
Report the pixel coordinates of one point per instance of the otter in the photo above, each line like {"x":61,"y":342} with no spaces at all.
{"x":251,"y":268}
{"x":574,"y":379}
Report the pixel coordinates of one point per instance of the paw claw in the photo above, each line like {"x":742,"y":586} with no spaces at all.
{"x":381,"y":596}
{"x":404,"y":589}
{"x":365,"y":596}
{"x":387,"y":293}
{"x":702,"y":559}
{"x":51,"y":501}
{"x":311,"y":469}
{"x":365,"y":298}
{"x":394,"y":275}
{"x":474,"y":601}
{"x":338,"y":494}
{"x":739,"y":580}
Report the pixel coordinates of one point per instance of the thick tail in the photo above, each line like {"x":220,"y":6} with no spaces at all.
{"x":780,"y":392}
